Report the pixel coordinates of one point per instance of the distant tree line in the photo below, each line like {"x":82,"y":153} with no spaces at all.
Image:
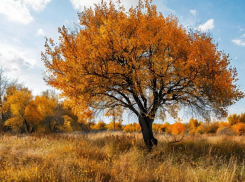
{"x":22,"y":112}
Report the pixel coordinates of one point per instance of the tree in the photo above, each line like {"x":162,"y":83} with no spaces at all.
{"x":56,"y":116}
{"x":132,"y":127}
{"x":101,"y":125}
{"x":178,"y":128}
{"x":233,"y":119}
{"x":24,"y":113}
{"x":3,"y":86}
{"x":140,"y":61}
{"x":239,"y":128}
{"x":114,"y":126}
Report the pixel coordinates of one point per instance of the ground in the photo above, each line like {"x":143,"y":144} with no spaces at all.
{"x":114,"y":156}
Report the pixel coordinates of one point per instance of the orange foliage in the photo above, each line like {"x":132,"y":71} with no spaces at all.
{"x":239,"y":128}
{"x":114,"y":126}
{"x":23,"y":110}
{"x":236,"y":118}
{"x":178,"y":128}
{"x":132,"y":127}
{"x":192,"y":125}
{"x":233,"y":119}
{"x":223,"y":124}
{"x":131,"y":59}
{"x":156,"y":127}
{"x":101,"y":125}
{"x":212,"y":127}
{"x":201,"y":129}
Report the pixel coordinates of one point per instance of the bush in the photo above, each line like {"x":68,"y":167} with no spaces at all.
{"x":239,"y":128}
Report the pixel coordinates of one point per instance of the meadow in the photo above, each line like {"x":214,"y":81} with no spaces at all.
{"x":116,"y":156}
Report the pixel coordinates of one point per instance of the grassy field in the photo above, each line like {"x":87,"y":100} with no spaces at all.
{"x":117,"y":157}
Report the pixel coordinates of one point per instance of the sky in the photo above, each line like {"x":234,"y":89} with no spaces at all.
{"x":24,"y":24}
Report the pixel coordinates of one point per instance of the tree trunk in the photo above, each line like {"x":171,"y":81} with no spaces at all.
{"x":27,"y":126}
{"x":146,"y":128}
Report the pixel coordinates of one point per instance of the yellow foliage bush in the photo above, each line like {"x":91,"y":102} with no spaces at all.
{"x":239,"y":128}
{"x":114,"y":126}
{"x":101,"y":125}
{"x":178,"y":128}
{"x":132,"y":127}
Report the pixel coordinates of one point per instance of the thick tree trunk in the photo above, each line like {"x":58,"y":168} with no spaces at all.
{"x":146,"y":128}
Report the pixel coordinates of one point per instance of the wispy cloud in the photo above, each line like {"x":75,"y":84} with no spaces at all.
{"x":208,"y":25}
{"x":37,"y":5}
{"x":238,"y":42}
{"x":20,"y":62}
{"x":79,"y":4}
{"x":193,"y":12}
{"x":13,"y":58}
{"x":40,"y":32}
{"x":15,"y":11}
{"x":18,"y":10}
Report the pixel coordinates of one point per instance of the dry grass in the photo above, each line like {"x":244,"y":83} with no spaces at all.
{"x":117,"y":157}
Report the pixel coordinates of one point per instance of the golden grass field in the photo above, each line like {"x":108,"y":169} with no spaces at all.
{"x":114,"y":156}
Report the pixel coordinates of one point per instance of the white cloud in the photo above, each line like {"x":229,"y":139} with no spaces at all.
{"x":243,"y":35}
{"x":238,"y":42}
{"x":13,"y":58}
{"x":21,"y":63}
{"x":18,"y":10}
{"x":79,"y":4}
{"x":40,"y":32}
{"x":193,"y":12}
{"x":208,"y":25}
{"x":37,"y":5}
{"x":15,"y":11}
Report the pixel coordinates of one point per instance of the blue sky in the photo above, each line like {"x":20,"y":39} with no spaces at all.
{"x":25,"y":23}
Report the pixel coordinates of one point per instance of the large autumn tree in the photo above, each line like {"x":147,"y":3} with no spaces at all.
{"x":140,"y":61}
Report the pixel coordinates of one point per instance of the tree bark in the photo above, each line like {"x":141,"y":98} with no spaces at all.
{"x":27,"y":126}
{"x":146,"y":128}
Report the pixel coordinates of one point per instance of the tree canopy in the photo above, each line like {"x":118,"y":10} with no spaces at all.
{"x":141,"y":61}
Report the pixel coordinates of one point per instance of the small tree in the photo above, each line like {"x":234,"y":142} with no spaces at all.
{"x":140,"y":61}
{"x":134,"y":127}
{"x":233,"y":119}
{"x":239,"y":128}
{"x":24,"y":112}
{"x":101,"y":125}
{"x":114,"y":126}
{"x":192,"y":125}
{"x":178,"y":128}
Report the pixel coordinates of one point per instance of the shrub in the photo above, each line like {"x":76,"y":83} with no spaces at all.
{"x":101,"y":125}
{"x":178,"y":128}
{"x":239,"y":128}
{"x":114,"y":126}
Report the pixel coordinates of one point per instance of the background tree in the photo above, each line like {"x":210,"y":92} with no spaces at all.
{"x":142,"y":62}
{"x":3,"y":86}
{"x":239,"y":128}
{"x":178,"y":128}
{"x":57,"y":116}
{"x":132,"y":127}
{"x":21,"y":107}
{"x":101,"y":125}
{"x":192,"y":125}
{"x":114,"y":126}
{"x":233,"y":119}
